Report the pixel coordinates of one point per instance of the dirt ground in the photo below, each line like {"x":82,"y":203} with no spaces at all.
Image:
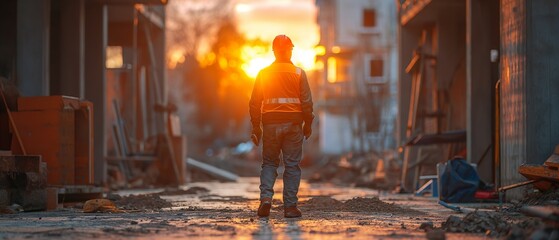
{"x":227,"y":210}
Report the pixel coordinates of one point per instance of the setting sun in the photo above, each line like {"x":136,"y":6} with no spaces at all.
{"x":265,"y":19}
{"x":256,"y":58}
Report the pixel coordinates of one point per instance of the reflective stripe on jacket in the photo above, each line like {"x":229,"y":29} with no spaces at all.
{"x":281,"y":94}
{"x":281,"y":87}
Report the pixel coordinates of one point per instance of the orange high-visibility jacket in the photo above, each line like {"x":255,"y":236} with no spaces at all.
{"x":281,"y":94}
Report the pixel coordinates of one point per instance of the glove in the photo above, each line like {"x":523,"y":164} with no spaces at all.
{"x":307,"y":130}
{"x":256,"y":135}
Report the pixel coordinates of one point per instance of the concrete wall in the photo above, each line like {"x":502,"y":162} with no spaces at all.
{"x":336,"y":134}
{"x":542,"y":80}
{"x":8,"y":28}
{"x":95,"y":79}
{"x":529,"y":96}
{"x":67,"y":55}
{"x":33,"y":36}
{"x":482,"y":16}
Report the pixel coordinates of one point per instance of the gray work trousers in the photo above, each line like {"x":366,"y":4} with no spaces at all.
{"x":284,"y":139}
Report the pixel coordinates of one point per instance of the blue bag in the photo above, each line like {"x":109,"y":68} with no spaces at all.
{"x":459,"y":181}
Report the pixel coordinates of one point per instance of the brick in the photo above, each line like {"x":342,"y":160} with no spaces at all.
{"x":52,"y":199}
{"x":30,"y":200}
{"x":20,"y":164}
{"x":40,"y":103}
{"x":49,"y":133}
{"x":29,"y":181}
{"x":5,"y":197}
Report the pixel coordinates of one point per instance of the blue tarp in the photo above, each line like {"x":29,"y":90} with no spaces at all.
{"x":459,"y":181}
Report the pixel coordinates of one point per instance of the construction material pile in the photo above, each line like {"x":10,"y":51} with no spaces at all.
{"x":492,"y":224}
{"x":358,"y":204}
{"x":144,"y":202}
{"x":372,"y":170}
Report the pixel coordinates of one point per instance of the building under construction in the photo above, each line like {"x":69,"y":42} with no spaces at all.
{"x":85,"y":89}
{"x":357,"y":82}
{"x":90,"y":146}
{"x":477,"y":80}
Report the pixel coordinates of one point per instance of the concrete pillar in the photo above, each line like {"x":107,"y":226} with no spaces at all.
{"x":95,"y":79}
{"x":33,"y":24}
{"x":479,"y":87}
{"x":542,"y":80}
{"x":529,"y":96}
{"x":8,"y":41}
{"x":72,"y":48}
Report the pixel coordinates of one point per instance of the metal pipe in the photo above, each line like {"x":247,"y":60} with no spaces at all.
{"x":520,"y":184}
{"x":12,"y":119}
{"x":497,"y":153}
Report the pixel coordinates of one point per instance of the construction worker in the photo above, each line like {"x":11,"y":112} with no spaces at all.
{"x":281,"y":111}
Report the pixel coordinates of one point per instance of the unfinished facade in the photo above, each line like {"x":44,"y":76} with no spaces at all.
{"x":357,"y":79}
{"x":451,"y":102}
{"x":92,"y":50}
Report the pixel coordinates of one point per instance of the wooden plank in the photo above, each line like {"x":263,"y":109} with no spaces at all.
{"x":538,"y":172}
{"x":509,"y":187}
{"x":132,"y":158}
{"x":214,"y":171}
{"x":143,"y":103}
{"x":121,"y":134}
{"x":12,"y":122}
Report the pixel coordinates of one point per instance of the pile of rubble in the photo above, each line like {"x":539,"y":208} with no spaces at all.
{"x":375,"y":205}
{"x":550,"y":197}
{"x":372,"y":170}
{"x":142,"y":202}
{"x":192,"y":190}
{"x":358,"y":204}
{"x":493,"y":224}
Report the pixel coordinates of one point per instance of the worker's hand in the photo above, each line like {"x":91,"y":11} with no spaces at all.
{"x":307,"y":130}
{"x":256,"y":135}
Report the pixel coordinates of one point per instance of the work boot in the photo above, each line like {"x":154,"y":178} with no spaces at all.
{"x":264,"y":208}
{"x":292,"y":212}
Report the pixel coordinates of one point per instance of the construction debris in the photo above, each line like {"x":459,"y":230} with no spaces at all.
{"x":535,"y":198}
{"x":321,"y":203}
{"x":151,"y":202}
{"x":369,"y":170}
{"x":375,"y":205}
{"x":100,"y":205}
{"x":544,"y":176}
{"x":490,"y":223}
{"x":192,"y":190}
{"x":12,"y":209}
{"x":357,"y":204}
{"x":23,"y":181}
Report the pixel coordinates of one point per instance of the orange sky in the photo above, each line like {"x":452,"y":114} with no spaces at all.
{"x":268,"y":18}
{"x":265,"y":19}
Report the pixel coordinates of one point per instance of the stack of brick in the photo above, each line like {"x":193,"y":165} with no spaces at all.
{"x":59,"y":129}
{"x":23,"y":181}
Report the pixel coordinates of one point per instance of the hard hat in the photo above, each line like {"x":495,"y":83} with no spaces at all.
{"x":282,"y":42}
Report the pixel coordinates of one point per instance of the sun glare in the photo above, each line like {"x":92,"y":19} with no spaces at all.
{"x":175,"y":57}
{"x":256,"y":58}
{"x":243,"y":8}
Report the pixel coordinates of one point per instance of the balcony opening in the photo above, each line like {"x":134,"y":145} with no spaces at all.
{"x":369,"y":18}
